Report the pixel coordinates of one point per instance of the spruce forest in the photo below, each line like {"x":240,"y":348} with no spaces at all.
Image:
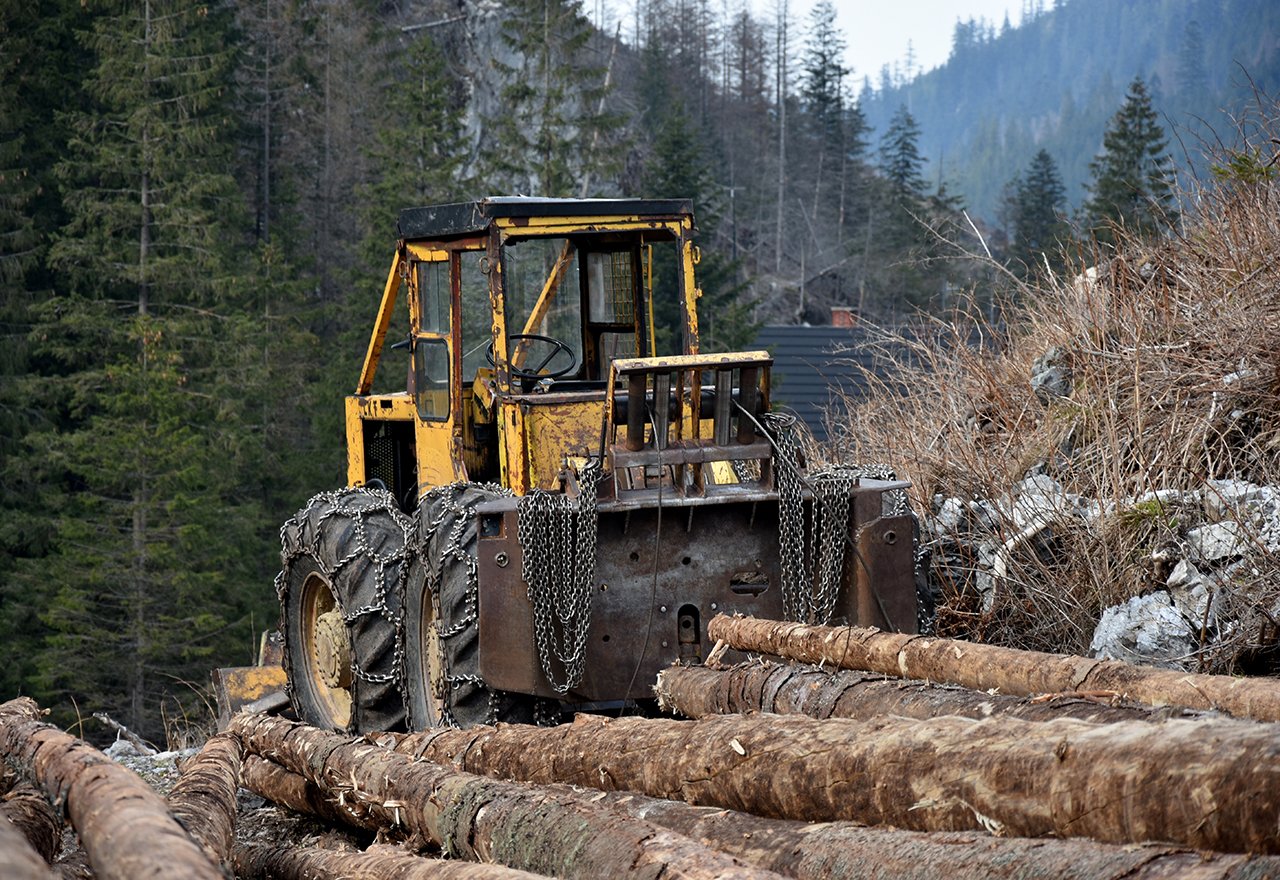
{"x":198,"y":203}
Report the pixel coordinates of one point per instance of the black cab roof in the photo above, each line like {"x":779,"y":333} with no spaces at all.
{"x":469,"y":218}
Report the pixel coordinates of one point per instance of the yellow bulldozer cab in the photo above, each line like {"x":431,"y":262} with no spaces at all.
{"x":517,"y":309}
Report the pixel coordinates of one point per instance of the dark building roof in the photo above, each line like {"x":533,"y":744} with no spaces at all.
{"x":814,"y":366}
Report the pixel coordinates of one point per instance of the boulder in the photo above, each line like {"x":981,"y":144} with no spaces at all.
{"x":1217,"y":541}
{"x":1149,"y":630}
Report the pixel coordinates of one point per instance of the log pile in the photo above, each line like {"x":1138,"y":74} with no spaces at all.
{"x":784,"y":769}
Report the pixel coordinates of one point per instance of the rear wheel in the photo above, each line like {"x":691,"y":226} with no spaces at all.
{"x":346,"y":558}
{"x":442,"y":629}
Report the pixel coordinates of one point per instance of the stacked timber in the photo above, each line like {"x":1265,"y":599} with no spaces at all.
{"x":836,"y":759}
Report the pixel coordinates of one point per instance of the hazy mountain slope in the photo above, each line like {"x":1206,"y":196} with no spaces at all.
{"x":1056,"y":80}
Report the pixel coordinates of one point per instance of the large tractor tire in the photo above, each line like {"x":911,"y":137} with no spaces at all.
{"x":441,"y":647}
{"x":345,"y":560}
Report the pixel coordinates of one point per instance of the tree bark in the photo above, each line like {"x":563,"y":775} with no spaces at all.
{"x":260,"y":862}
{"x":204,"y":799}
{"x":696,"y":691}
{"x":845,"y":851}
{"x":288,"y":789}
{"x":125,"y":826}
{"x":73,"y":864}
{"x":18,"y":859}
{"x":565,"y":835}
{"x":987,"y":667}
{"x":29,"y":811}
{"x":1212,"y":783}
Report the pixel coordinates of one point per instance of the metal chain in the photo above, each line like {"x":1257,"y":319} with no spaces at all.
{"x":813,"y":558}
{"x":558,"y":563}
{"x":300,"y":536}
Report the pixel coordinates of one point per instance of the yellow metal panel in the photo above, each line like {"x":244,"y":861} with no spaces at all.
{"x":385,"y":309}
{"x":551,"y":226}
{"x":691,"y":361}
{"x":691,"y":295}
{"x":439,"y":458}
{"x":377,"y":407}
{"x":558,"y":430}
{"x":427,"y":254}
{"x":515,"y":461}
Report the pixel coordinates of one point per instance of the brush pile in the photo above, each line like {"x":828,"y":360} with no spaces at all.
{"x":1076,"y":768}
{"x":1101,"y":468}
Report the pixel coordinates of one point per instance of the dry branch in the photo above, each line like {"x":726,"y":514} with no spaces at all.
{"x":204,"y":799}
{"x":18,"y":859}
{"x":125,"y":826}
{"x":563,"y":834}
{"x":29,"y":811}
{"x":257,"y":862}
{"x":1211,"y":783}
{"x":695,"y":691}
{"x":288,"y":789}
{"x":1004,"y":670}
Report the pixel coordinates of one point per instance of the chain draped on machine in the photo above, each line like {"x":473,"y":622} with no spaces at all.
{"x":813,"y":558}
{"x":558,"y":564}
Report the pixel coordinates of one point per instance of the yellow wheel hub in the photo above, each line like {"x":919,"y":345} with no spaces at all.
{"x":333,"y":650}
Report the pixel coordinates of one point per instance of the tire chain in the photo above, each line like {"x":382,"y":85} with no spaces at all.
{"x":557,"y":536}
{"x":813,"y":558}
{"x":443,"y":504}
{"x":355,"y":505}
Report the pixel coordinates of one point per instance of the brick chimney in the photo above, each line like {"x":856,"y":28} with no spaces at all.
{"x":843,"y":316}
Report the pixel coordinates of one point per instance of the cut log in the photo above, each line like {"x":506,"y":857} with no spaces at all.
{"x":478,"y":819}
{"x":991,"y":668}
{"x":28,"y":809}
{"x":695,"y":691}
{"x":1211,"y":783}
{"x":259,"y":862}
{"x":288,"y":789}
{"x":73,"y":864}
{"x":125,"y":826}
{"x":18,"y":859}
{"x":204,"y":799}
{"x":844,"y":851}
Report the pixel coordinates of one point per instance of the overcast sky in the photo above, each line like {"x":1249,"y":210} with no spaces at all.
{"x":877,"y":31}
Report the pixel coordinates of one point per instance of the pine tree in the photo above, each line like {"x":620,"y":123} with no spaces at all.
{"x":1036,"y":213}
{"x":417,"y":155}
{"x":551,"y":109}
{"x":822,"y":73}
{"x":151,"y":528}
{"x":823,"y":101}
{"x":1192,"y":80}
{"x":900,"y":159}
{"x":1132,"y":177}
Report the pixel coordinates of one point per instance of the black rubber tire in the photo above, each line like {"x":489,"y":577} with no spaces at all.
{"x":354,"y":542}
{"x":449,"y":561}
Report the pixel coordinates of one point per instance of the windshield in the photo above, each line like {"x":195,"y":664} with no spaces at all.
{"x":596,"y":294}
{"x":542,"y":291}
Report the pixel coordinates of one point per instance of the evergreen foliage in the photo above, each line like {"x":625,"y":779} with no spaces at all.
{"x":1053,"y":82}
{"x":1132,"y":177}
{"x":139,"y":464}
{"x":1037,"y":214}
{"x":545,"y":137}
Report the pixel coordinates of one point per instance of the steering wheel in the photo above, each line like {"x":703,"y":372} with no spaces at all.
{"x":536,"y":373}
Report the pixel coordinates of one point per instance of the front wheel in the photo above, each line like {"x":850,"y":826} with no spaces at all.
{"x":441,"y":647}
{"x":345,"y":560}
